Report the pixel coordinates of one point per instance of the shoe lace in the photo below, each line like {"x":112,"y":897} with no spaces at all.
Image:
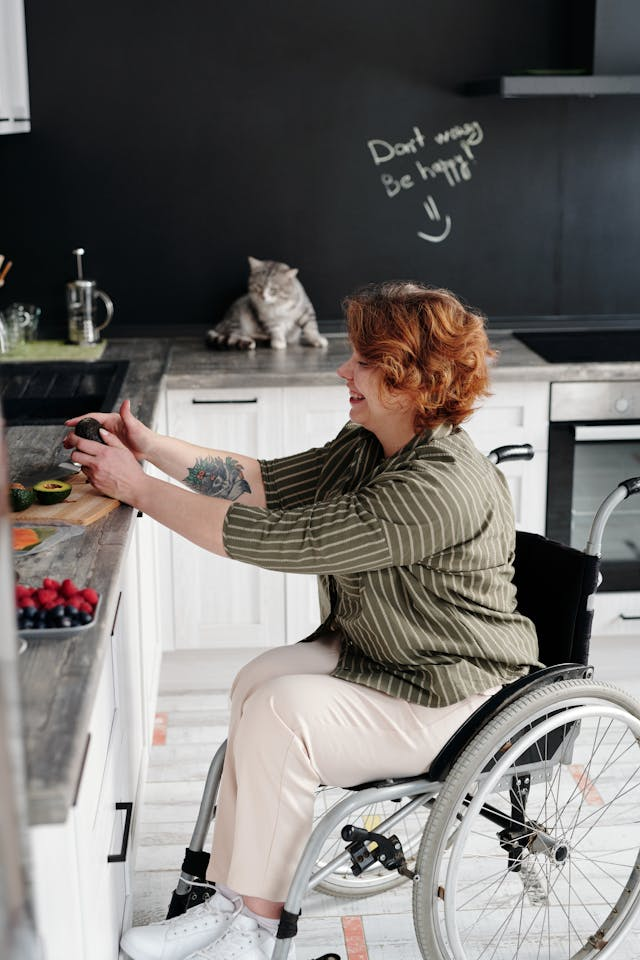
{"x":233,"y":937}
{"x":210,"y":905}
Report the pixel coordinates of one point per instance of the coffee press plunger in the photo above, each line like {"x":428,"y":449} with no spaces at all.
{"x":81,"y":306}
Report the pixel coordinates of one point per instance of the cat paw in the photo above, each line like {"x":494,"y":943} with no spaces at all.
{"x":214,"y":340}
{"x":315,"y":341}
{"x":278,"y":344}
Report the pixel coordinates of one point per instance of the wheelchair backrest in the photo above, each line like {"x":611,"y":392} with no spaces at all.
{"x":554,"y":583}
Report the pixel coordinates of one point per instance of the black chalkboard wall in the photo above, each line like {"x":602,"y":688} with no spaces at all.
{"x":172,"y":140}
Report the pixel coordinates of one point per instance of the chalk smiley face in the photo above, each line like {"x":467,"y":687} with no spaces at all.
{"x":434,"y":214}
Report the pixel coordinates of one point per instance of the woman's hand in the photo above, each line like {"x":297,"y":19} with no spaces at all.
{"x":132,"y":433}
{"x":111,"y":467}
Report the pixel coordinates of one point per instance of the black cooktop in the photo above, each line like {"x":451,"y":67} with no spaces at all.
{"x":583,"y":346}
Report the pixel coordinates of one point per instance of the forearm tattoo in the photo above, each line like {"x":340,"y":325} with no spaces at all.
{"x":215,"y":477}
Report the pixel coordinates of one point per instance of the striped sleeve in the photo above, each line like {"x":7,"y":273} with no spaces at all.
{"x":402,"y":517}
{"x":292,"y":481}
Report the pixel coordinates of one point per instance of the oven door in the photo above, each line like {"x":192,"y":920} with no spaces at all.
{"x":586,"y":462}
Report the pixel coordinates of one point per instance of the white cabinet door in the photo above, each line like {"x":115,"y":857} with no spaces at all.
{"x":518,"y":413}
{"x":14,"y":85}
{"x":218,"y":603}
{"x":312,"y":417}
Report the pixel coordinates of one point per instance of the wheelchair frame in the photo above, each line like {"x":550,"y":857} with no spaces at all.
{"x":566,"y":680}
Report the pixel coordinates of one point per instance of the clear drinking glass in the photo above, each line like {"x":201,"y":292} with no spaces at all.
{"x":20,"y":322}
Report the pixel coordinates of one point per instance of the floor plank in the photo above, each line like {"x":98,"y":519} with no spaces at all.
{"x":193,"y":704}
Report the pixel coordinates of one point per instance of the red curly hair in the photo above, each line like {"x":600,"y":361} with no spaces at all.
{"x":427,"y":344}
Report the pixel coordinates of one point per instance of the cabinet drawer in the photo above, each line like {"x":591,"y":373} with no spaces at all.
{"x":616,"y":614}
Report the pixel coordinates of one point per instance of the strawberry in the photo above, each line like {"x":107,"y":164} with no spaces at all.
{"x":90,"y":596}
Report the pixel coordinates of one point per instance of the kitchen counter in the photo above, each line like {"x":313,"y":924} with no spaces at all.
{"x":193,"y":366}
{"x":59,"y":678}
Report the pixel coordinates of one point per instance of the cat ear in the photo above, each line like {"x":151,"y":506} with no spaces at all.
{"x":254,"y":264}
{"x":293,"y":271}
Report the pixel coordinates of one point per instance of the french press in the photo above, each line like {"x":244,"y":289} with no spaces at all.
{"x":81,"y":306}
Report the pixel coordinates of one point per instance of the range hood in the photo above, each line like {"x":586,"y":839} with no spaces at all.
{"x":605,"y":50}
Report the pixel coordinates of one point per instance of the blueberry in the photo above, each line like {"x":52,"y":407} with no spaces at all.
{"x":70,"y":611}
{"x":57,"y":611}
{"x":84,"y":618}
{"x":65,"y":622}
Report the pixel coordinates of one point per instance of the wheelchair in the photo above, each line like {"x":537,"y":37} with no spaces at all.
{"x":519,"y":841}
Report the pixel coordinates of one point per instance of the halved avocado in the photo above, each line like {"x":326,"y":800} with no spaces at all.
{"x":20,"y":497}
{"x":52,"y":491}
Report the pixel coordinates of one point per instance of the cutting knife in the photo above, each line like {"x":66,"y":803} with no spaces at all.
{"x":62,"y":471}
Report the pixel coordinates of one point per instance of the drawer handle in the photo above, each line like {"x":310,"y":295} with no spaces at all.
{"x":623,"y":616}
{"x":195,"y":400}
{"x":122,"y":856}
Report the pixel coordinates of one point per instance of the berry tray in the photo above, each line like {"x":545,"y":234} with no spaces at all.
{"x":59,"y":633}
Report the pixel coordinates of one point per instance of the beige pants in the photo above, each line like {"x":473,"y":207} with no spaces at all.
{"x":293,"y":727}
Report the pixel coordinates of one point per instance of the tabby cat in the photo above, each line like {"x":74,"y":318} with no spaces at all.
{"x":275,"y":309}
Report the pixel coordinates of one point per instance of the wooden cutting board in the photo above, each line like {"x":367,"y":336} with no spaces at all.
{"x":83,"y":506}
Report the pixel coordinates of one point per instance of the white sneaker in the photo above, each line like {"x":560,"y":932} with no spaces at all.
{"x":175,"y":939}
{"x":245,"y":939}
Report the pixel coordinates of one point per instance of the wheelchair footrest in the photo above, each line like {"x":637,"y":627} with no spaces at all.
{"x":385,"y":850}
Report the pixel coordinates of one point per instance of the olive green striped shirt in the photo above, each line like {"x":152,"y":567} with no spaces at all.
{"x":413,"y":555}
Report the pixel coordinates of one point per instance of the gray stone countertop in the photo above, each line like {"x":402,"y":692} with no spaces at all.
{"x":193,"y":366}
{"x":59,"y":678}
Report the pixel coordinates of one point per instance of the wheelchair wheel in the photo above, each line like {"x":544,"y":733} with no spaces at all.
{"x":532,"y":848}
{"x":342,"y":882}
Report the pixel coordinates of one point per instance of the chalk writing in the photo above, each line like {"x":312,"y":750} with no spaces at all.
{"x":470,"y":132}
{"x":434,"y":214}
{"x":452,"y":169}
{"x":382,"y":151}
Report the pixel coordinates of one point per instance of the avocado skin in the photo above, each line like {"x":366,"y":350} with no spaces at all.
{"x":89,"y":429}
{"x":51,"y":491}
{"x":20,"y":498}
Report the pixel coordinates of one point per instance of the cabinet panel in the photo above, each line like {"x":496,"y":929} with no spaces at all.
{"x":312,"y":417}
{"x":518,"y":413}
{"x":14,"y":87}
{"x":218,"y":603}
{"x":515,"y":413}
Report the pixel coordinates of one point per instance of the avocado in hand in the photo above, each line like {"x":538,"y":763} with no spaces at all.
{"x":89,"y":429}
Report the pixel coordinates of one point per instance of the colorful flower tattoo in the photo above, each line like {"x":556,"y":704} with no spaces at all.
{"x":215,"y":477}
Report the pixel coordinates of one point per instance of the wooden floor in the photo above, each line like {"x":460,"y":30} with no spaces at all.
{"x":191,"y":722}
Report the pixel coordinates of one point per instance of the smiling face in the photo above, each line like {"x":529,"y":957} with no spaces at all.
{"x":388,"y":415}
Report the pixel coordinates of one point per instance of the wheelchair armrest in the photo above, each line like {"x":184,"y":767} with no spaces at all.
{"x":444,"y":760}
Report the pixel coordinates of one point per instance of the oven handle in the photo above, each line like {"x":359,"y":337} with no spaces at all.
{"x":610,"y":431}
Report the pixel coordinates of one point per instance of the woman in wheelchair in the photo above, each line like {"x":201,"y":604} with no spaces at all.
{"x":410,"y":531}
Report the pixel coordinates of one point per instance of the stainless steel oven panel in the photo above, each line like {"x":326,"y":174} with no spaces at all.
{"x":595,"y":400}
{"x":610,"y":431}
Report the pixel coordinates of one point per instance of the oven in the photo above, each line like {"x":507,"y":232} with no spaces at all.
{"x":594,"y":443}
